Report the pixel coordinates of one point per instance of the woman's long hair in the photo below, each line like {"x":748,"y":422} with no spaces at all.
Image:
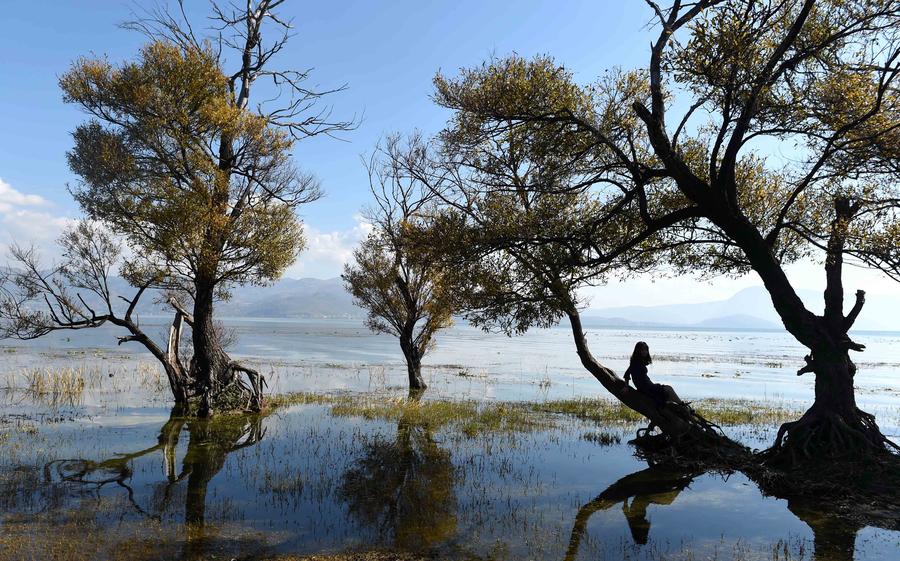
{"x":641,"y":354}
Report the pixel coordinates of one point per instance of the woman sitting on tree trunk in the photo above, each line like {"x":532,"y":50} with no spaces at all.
{"x":637,"y":370}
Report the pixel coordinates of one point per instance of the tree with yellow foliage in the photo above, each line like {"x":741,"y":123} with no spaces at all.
{"x":404,"y":294}
{"x":199,"y":186}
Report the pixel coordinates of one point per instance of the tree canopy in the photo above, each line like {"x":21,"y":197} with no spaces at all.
{"x":152,"y":170}
{"x":197,"y":185}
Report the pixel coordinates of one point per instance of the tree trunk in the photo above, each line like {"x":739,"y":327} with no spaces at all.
{"x":179,"y":381}
{"x":210,"y":365}
{"x":413,"y":361}
{"x":834,"y":426}
{"x":834,"y":382}
{"x":211,"y":371}
{"x":682,"y":428}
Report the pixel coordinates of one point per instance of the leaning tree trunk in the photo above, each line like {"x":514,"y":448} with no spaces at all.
{"x":683,"y":430}
{"x":413,"y":360}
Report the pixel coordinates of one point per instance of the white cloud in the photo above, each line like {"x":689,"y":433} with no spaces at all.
{"x":652,"y":290}
{"x":11,"y":198}
{"x":326,"y":252}
{"x":27,"y":219}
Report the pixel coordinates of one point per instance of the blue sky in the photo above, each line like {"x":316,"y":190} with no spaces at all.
{"x":386,"y":52}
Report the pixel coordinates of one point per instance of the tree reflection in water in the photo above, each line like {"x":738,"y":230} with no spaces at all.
{"x":209,"y":443}
{"x":404,"y":488}
{"x":834,"y":536}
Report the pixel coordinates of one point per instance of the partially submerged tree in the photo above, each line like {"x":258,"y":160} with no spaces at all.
{"x":404,"y":294}
{"x":199,"y":184}
{"x":513,"y":233}
{"x":711,"y":195}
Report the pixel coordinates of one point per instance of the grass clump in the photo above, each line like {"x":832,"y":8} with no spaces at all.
{"x":733,"y":412}
{"x":597,"y":410}
{"x":602,"y":438}
{"x":471,"y":418}
{"x":55,"y":386}
{"x":305,"y":398}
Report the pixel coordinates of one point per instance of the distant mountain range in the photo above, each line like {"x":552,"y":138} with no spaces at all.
{"x":287,"y":298}
{"x":750,"y":308}
{"x":293,"y":298}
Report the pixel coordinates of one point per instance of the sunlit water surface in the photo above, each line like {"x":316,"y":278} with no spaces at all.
{"x":110,"y":472}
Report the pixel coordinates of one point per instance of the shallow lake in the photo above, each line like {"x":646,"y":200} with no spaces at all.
{"x":110,"y":474}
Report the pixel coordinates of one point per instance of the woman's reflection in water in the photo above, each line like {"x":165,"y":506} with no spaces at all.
{"x":834,"y":536}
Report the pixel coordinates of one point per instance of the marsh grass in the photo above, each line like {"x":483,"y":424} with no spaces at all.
{"x":60,"y":385}
{"x":603,"y":411}
{"x":473,"y":418}
{"x":735,"y":412}
{"x":283,"y":483}
{"x":602,"y":438}
{"x":151,"y":377}
{"x":469,"y":417}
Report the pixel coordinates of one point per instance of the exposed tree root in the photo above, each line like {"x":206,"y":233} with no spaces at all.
{"x":823,"y":434}
{"x":229,"y":392}
{"x":254,"y":387}
{"x":701,"y":443}
{"x":233,"y":392}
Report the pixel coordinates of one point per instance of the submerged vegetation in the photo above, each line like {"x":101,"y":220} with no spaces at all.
{"x":65,"y":384}
{"x":414,"y":478}
{"x":477,"y":417}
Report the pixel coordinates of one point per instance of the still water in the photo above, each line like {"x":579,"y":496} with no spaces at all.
{"x":111,"y":475}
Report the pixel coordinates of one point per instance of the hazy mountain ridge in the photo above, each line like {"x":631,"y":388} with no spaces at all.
{"x":750,"y":308}
{"x":287,"y":299}
{"x":293,"y":298}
